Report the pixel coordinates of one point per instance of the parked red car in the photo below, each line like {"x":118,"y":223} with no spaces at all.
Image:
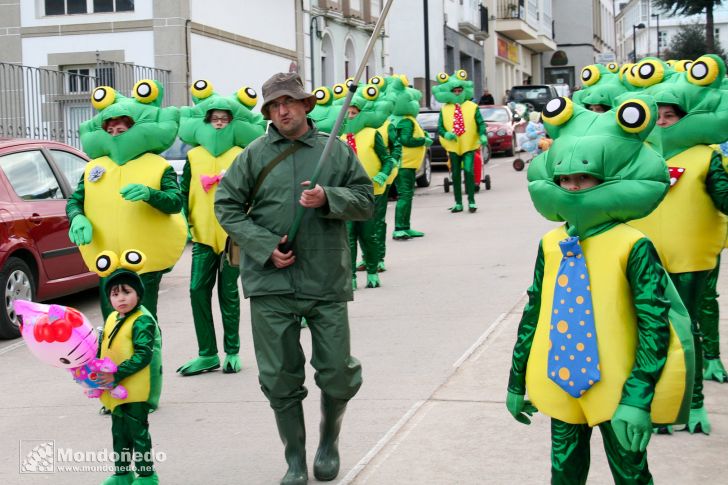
{"x":501,"y":128}
{"x":37,"y":260}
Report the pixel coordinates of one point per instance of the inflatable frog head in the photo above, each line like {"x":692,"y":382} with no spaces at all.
{"x":608,"y":146}
{"x":325,"y":112}
{"x":698,"y":92}
{"x":374,"y":109}
{"x":244,"y":126}
{"x":150,"y":127}
{"x":453,"y":89}
{"x":406,"y":100}
{"x":601,"y":86}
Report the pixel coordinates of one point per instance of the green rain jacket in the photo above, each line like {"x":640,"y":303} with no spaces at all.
{"x":322,"y":270}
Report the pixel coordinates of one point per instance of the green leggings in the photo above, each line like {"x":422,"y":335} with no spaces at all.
{"x":570,"y":455}
{"x":130,"y":432}
{"x":458,"y":163}
{"x":366,"y":233}
{"x":405,"y":182}
{"x":151,"y":291}
{"x":710,"y":316}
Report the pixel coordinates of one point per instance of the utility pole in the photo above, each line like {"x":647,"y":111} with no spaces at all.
{"x":427,"y":53}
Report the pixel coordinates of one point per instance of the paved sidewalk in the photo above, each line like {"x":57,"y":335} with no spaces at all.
{"x":463,"y":433}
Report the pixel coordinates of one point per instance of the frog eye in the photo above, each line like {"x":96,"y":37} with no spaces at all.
{"x":323,"y":95}
{"x":133,"y":259}
{"x":558,"y":111}
{"x":102,"y":97}
{"x":248,"y":96}
{"x":371,"y":93}
{"x":404,"y":79}
{"x":145,"y":91}
{"x":646,"y":73}
{"x":442,"y":77}
{"x":613,"y":67}
{"x":703,"y":71}
{"x":633,"y":116}
{"x":683,"y":65}
{"x":377,"y":81}
{"x":349,"y":82}
{"x":624,"y":70}
{"x":339,"y":90}
{"x":590,"y":75}
{"x":106,"y":263}
{"x":201,"y":89}
{"x":461,"y":74}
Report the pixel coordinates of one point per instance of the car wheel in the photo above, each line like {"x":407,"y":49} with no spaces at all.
{"x":16,"y":281}
{"x":425,"y":179}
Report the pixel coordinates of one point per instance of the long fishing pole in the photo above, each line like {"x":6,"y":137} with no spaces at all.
{"x":337,"y":125}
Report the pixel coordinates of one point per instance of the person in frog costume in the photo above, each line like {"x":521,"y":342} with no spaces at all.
{"x":601,"y":87}
{"x":132,"y":339}
{"x":128,"y":196}
{"x":219,"y":128}
{"x":604,"y":339}
{"x":325,"y":112}
{"x":462,"y":131}
{"x":688,"y":228}
{"x":403,"y":126}
{"x":366,"y":114}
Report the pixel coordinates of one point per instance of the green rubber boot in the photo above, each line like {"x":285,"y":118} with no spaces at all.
{"x":326,"y":464}
{"x":373,"y":281}
{"x":472,"y":207}
{"x":698,"y":421}
{"x":231,"y":364}
{"x":292,"y":430}
{"x":125,"y":479}
{"x":456,"y":208}
{"x":400,"y":235}
{"x":713,"y":370}
{"x":380,"y":267}
{"x":353,"y":283}
{"x":198,"y":365}
{"x":152,"y":479}
{"x":413,"y":233}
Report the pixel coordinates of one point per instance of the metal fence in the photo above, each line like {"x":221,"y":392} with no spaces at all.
{"x":47,"y":104}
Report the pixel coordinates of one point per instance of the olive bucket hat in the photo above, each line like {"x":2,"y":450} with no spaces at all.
{"x":285,"y":84}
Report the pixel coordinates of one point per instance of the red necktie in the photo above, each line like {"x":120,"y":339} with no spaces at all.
{"x":458,"y":125}
{"x":351,"y":141}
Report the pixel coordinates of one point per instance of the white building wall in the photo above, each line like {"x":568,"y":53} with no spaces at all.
{"x":406,"y":29}
{"x":271,"y":21}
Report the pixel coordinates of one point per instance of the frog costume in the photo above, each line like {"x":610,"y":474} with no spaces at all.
{"x":362,"y":135}
{"x":134,"y":342}
{"x":129,"y":196}
{"x":462,"y":131}
{"x":414,"y":142}
{"x":325,"y":112}
{"x":601,"y":86}
{"x":214,"y":150}
{"x":623,"y":325}
{"x":688,"y":228}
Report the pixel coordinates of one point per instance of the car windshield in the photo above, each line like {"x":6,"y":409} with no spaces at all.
{"x":428,"y":120}
{"x":497,"y":115}
{"x":529,"y":93}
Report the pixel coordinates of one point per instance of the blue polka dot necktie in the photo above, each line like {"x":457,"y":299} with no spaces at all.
{"x":573,"y":357}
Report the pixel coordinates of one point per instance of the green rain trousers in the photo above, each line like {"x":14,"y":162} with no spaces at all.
{"x":710,"y":316}
{"x":691,"y":287}
{"x":130,"y":432}
{"x":281,"y":362}
{"x":570,"y":455}
{"x":151,"y":282}
{"x":459,"y":163}
{"x":380,"y":214}
{"x":405,"y":182}
{"x":207,"y":267}
{"x":366,"y":234}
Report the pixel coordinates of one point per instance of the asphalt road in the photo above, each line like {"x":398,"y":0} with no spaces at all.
{"x":434,"y":342}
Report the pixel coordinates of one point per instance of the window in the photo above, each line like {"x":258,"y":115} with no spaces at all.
{"x":68,"y":7}
{"x":78,"y":80}
{"x":113,"y":6}
{"x":662,"y":39}
{"x":64,"y":7}
{"x":30,"y":175}
{"x":71,"y":165}
{"x":82,"y":79}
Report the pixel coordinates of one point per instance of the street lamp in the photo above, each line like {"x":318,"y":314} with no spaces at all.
{"x":313,"y":26}
{"x":634,"y":39}
{"x":657,"y":16}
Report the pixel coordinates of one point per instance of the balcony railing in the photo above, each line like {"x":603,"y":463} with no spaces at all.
{"x":511,"y":9}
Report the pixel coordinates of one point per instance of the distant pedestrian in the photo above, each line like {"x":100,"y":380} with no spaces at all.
{"x":486,"y":98}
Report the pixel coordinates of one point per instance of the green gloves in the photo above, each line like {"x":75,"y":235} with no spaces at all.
{"x":483,"y":139}
{"x":428,"y":140}
{"x":81,"y":231}
{"x":449,"y":135}
{"x":633,"y":427}
{"x":380,"y":178}
{"x":135,"y":192}
{"x":698,"y":421}
{"x":519,"y":407}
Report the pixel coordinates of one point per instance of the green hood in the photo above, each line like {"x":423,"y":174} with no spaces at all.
{"x":443,"y":92}
{"x":374,"y":109}
{"x":601,"y":85}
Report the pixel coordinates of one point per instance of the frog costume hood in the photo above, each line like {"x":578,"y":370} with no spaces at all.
{"x":244,"y":127}
{"x":443,"y":92}
{"x":374,"y":109}
{"x":697,"y":91}
{"x":154,"y":128}
{"x":325,"y":112}
{"x":609,"y":146}
{"x":601,"y":85}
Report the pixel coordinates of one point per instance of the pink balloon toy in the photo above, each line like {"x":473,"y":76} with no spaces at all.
{"x":63,"y":337}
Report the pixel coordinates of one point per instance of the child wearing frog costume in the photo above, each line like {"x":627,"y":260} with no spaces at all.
{"x":219,"y":128}
{"x":688,"y":228}
{"x":128,"y":196}
{"x":462,"y":131}
{"x":604,"y":339}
